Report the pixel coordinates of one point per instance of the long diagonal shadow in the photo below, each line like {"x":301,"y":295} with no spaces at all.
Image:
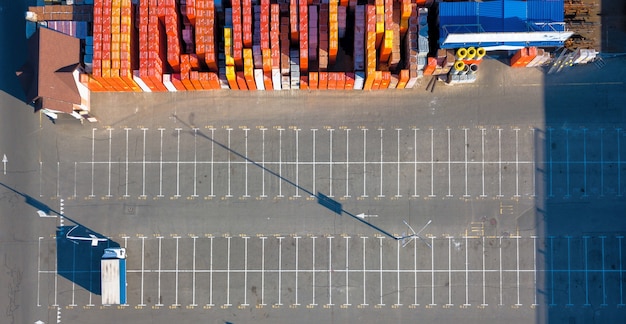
{"x":79,"y":248}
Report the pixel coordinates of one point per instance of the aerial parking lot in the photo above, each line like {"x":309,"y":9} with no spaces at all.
{"x":219,"y":215}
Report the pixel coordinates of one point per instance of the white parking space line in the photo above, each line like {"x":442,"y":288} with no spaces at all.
{"x":398,"y":195}
{"x":432,"y":273}
{"x":143,"y":260}
{"x":297,"y":131}
{"x":212,"y":194}
{"x":551,"y":194}
{"x":567,"y":195}
{"x":399,"y":289}
{"x":449,"y":272}
{"x":482,"y":135}
{"x":467,"y":303}
{"x":228,"y":238}
{"x":143,"y":165}
{"x":245,"y":130}
{"x":297,"y":238}
{"x":621,"y":273}
{"x":602,"y":162}
{"x":177,"y":162}
{"x":516,"y":162}
{"x":500,"y":259}
{"x":161,"y":165}
{"x":364,"y":303}
{"x":93,"y":157}
{"x":229,"y":161}
{"x":347,"y":238}
{"x":585,"y":162}
{"x":195,"y":163}
{"x":432,"y":163}
{"x":364,"y":163}
{"x":126,"y":129}
{"x":263,"y":162}
{"x":500,"y":162}
{"x":380,"y":258}
{"x":466,"y":195}
{"x":552,"y":272}
{"x":160,"y":238}
{"x":41,"y":178}
{"x":313,"y":130}
{"x":603,"y":274}
{"x":534,"y":158}
{"x":517,"y":270}
{"x":619,"y":163}
{"x":449,"y":167}
{"x":211,"y":272}
{"x":280,"y":271}
{"x":381,"y":163}
{"x":534,"y":270}
{"x":347,"y":195}
{"x":313,"y":271}
{"x":585,"y":239}
{"x":330,"y":271}
{"x":38,"y":269}
{"x":280,"y":161}
{"x":176,"y":304}
{"x":263,"y":238}
{"x":330,"y":163}
{"x":245,"y":272}
{"x":484,"y":304}
{"x":415,"y":273}
{"x":415,"y":195}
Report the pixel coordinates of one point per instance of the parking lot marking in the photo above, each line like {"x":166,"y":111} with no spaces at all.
{"x":381,"y":163}
{"x":449,"y":271}
{"x":398,"y":171}
{"x":41,"y":176}
{"x":432,"y":271}
{"x":534,"y":157}
{"x":313,"y":271}
{"x":500,"y":162}
{"x":330,"y":162}
{"x":467,"y":274}
{"x":364,"y":163}
{"x":228,"y":238}
{"x":585,"y":162}
{"x":263,"y":238}
{"x":347,"y":270}
{"x":465,"y":147}
{"x":143,"y":259}
{"x":484,"y":295}
{"x":569,"y":272}
{"x":177,"y":162}
{"x":517,"y":253}
{"x":380,"y":258}
{"x":193,"y":274}
{"x":195,"y":162}
{"x":263,"y":162}
{"x":159,"y":274}
{"x":550,"y":160}
{"x":619,"y":163}
{"x":449,"y":168}
{"x":432,"y":163}
{"x":245,"y":271}
{"x":585,"y":238}
{"x":398,"y":273}
{"x":93,"y":158}
{"x":621,"y":273}
{"x":601,"y":162}
{"x":415,"y":273}
{"x":73,"y":276}
{"x":280,"y":271}
{"x":415,"y":162}
{"x":126,"y":172}
{"x":314,"y":130}
{"x":603,"y":274}
{"x":109,"y":165}
{"x":38,"y":268}
{"x":364,"y":299}
{"x":280,"y":161}
{"x":161,"y":166}
{"x":330,"y":270}
{"x":347,"y":162}
{"x":229,"y":161}
{"x":143,"y":165}
{"x":211,"y":272}
{"x":482,"y":135}
{"x":516,"y":162}
{"x":552,"y":269}
{"x":245,"y":130}
{"x":296,"y":285}
{"x":534,"y":270}
{"x":297,"y":130}
{"x":176,"y":304}
{"x":212,"y":161}
{"x":567,"y":176}
{"x":500,"y":247}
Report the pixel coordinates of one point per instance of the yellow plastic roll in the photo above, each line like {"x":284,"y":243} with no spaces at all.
{"x":459,"y":66}
{"x":461,"y":53}
{"x":480,"y":52}
{"x":471,"y":53}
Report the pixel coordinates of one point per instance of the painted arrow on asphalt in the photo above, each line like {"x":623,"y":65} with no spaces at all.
{"x":362,"y":215}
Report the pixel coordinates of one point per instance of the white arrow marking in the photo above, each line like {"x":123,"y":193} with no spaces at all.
{"x":4,"y":162}
{"x":362,"y":215}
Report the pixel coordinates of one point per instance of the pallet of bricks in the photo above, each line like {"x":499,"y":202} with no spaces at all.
{"x":184,"y":45}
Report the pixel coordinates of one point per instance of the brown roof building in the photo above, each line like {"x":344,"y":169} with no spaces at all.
{"x":49,"y":76}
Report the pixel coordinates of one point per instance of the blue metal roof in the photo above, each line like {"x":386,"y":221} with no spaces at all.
{"x":500,"y":16}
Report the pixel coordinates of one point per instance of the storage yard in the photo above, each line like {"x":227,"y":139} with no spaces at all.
{"x":184,"y":45}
